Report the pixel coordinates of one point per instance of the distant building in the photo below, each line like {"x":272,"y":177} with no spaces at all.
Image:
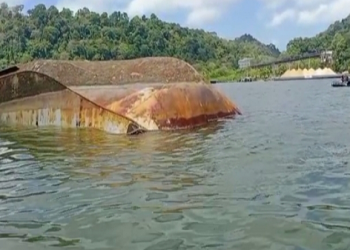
{"x":244,"y":63}
{"x":327,"y":56}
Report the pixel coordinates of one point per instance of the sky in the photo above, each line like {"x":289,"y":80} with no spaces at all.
{"x":270,"y":21}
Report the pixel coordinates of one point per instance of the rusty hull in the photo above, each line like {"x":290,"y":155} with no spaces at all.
{"x":30,"y":97}
{"x":33,"y":99}
{"x":175,"y":106}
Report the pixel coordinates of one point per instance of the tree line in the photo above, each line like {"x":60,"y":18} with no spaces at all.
{"x":336,"y":38}
{"x":48,"y":33}
{"x":45,"y":32}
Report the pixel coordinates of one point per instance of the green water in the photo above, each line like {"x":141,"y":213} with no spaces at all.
{"x":275,"y":178}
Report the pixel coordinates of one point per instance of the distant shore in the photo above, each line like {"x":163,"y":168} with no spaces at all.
{"x":297,"y":78}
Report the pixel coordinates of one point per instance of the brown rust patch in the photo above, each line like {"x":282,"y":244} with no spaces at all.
{"x":31,"y":98}
{"x":175,"y":106}
{"x":192,"y":105}
{"x":126,"y":103}
{"x":196,"y":121}
{"x":182,"y":101}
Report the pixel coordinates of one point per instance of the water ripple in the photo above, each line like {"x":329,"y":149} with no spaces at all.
{"x":275,"y":178}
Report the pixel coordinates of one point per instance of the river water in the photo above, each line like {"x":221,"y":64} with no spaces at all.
{"x":275,"y":178}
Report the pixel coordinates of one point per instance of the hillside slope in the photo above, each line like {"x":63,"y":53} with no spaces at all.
{"x":47,"y":33}
{"x":336,"y":38}
{"x":256,"y":47}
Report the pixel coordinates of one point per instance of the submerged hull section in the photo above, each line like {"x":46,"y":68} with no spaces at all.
{"x":29,"y":98}
{"x":175,"y":106}
{"x":32,"y":98}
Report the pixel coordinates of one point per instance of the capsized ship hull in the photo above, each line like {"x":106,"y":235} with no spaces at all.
{"x":42,"y":94}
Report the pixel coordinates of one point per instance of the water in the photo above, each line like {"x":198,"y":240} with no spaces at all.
{"x":275,"y":178}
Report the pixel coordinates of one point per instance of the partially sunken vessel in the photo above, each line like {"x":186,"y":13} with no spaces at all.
{"x":121,"y":97}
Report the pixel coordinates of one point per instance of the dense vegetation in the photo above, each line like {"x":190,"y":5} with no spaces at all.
{"x":49,"y":33}
{"x":335,"y":38}
{"x":45,"y":32}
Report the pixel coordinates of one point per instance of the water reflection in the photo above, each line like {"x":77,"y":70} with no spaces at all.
{"x":101,"y":155}
{"x":81,"y":179}
{"x":276,"y":178}
{"x":48,"y":139}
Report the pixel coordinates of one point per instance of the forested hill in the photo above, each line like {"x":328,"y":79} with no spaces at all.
{"x":249,"y":40}
{"x":46,"y":32}
{"x":336,"y":38}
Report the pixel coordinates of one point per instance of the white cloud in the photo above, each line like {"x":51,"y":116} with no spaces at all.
{"x":94,"y":5}
{"x":273,"y":4}
{"x":306,"y":11}
{"x":198,"y":12}
{"x":200,"y":15}
{"x":285,"y":15}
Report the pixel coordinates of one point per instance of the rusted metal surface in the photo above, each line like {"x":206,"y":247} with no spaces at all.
{"x":29,"y":98}
{"x":106,"y":94}
{"x":34,"y":95}
{"x":175,"y":106}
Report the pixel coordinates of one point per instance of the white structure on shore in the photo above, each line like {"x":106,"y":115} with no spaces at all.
{"x":308,"y":73}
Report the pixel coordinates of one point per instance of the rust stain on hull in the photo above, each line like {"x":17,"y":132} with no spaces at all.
{"x":175,"y":106}
{"x":34,"y":96}
{"x":42,"y":101}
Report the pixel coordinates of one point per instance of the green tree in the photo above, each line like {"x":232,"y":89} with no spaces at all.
{"x":335,"y":38}
{"x":45,"y":32}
